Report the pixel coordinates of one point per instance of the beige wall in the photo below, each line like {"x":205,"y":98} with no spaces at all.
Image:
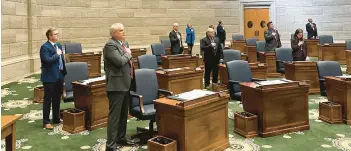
{"x":24,"y":23}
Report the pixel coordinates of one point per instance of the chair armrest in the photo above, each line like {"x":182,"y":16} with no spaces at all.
{"x":140,"y":98}
{"x":165,"y":92}
{"x":233,"y":82}
{"x":255,"y":79}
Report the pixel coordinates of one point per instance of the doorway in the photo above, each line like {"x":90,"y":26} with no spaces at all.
{"x":255,"y":22}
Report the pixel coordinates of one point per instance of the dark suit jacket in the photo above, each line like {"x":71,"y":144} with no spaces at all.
{"x":310,"y":32}
{"x":221,"y":34}
{"x":299,"y":52}
{"x":175,"y":44}
{"x":50,"y":62}
{"x":211,"y":53}
{"x":271,"y":42}
{"x":116,"y":66}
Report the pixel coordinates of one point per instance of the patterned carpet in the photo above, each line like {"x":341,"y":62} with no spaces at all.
{"x":17,"y":99}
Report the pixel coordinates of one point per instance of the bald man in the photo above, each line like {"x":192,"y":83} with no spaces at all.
{"x":311,"y":29}
{"x":211,"y":46}
{"x":176,"y":40}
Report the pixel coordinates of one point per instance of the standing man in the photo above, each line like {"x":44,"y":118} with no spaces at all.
{"x":213,"y":52}
{"x":272,"y":38}
{"x":119,"y":75}
{"x":190,"y":37}
{"x":221,"y":34}
{"x":176,"y":40}
{"x":311,"y":29}
{"x":53,"y":71}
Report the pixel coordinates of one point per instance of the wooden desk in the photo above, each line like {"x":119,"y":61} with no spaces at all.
{"x":185,"y":50}
{"x":251,"y":53}
{"x":348,"y":61}
{"x":312,"y":48}
{"x":200,"y":125}
{"x":239,"y":45}
{"x":179,"y":61}
{"x":269,"y":58}
{"x":93,"y":60}
{"x":339,"y":91}
{"x":258,"y":70}
{"x":180,"y":81}
{"x":281,"y":108}
{"x":93,"y":100}
{"x":333,"y":52}
{"x":303,"y":70}
{"x":8,"y":130}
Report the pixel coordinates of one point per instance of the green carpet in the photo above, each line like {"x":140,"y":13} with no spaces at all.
{"x":17,"y":99}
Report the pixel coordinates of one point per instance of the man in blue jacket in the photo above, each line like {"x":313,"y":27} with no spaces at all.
{"x":53,"y":70}
{"x":190,"y":37}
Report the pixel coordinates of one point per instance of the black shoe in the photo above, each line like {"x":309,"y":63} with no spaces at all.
{"x":125,"y":141}
{"x":57,"y":122}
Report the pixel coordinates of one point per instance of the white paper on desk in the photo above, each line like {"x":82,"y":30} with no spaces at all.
{"x":174,"y":69}
{"x":85,"y":82}
{"x":344,"y":76}
{"x":272,"y":82}
{"x":194,"y":94}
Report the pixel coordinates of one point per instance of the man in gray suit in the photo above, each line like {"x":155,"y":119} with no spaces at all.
{"x":272,"y":38}
{"x":119,"y":74}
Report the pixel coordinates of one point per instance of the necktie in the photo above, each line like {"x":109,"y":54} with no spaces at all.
{"x":60,"y":59}
{"x":130,"y":61}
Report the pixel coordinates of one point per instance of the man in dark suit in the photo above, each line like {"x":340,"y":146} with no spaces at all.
{"x":311,"y":29}
{"x":176,"y":40}
{"x":272,"y":38}
{"x":119,"y":75}
{"x":53,"y":71}
{"x":221,"y":34}
{"x":211,"y":46}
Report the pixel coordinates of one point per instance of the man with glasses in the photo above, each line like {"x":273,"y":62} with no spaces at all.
{"x":53,"y":71}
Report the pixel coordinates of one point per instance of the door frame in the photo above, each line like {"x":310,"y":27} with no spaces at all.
{"x":270,"y":4}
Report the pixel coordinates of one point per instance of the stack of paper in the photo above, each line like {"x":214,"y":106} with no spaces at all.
{"x":194,"y":94}
{"x":271,"y":82}
{"x":85,"y":82}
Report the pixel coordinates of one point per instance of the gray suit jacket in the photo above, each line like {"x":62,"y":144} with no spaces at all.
{"x":271,"y":42}
{"x":116,"y":66}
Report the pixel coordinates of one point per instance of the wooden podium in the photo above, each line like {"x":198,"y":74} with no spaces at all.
{"x":339,"y":91}
{"x":200,"y":124}
{"x":179,"y":61}
{"x":303,"y":70}
{"x":258,"y":70}
{"x":251,"y":53}
{"x":239,"y":45}
{"x":269,"y":58}
{"x":92,"y":99}
{"x":135,"y":53}
{"x":312,"y":47}
{"x":332,"y":52}
{"x":180,"y":80}
{"x":281,"y":108}
{"x":8,"y":130}
{"x":348,"y":61}
{"x":93,"y":60}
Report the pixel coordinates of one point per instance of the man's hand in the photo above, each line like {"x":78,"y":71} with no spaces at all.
{"x":58,"y":51}
{"x":213,"y":44}
{"x":129,"y":51}
{"x":273,"y":34}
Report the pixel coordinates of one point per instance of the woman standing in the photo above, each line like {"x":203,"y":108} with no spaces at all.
{"x":299,"y":46}
{"x":190,"y":37}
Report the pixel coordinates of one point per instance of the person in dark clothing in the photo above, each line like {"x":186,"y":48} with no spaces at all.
{"x":213,"y":52}
{"x":221,"y":33}
{"x":299,"y":46}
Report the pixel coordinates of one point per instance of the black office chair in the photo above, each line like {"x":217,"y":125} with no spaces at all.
{"x":327,"y":68}
{"x":230,"y":55}
{"x":237,"y":37}
{"x":348,"y":44}
{"x":73,"y":48}
{"x":238,"y":71}
{"x":282,"y":55}
{"x":323,"y":39}
{"x":158,"y":49}
{"x":147,"y":62}
{"x":75,"y":71}
{"x":141,"y":105}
